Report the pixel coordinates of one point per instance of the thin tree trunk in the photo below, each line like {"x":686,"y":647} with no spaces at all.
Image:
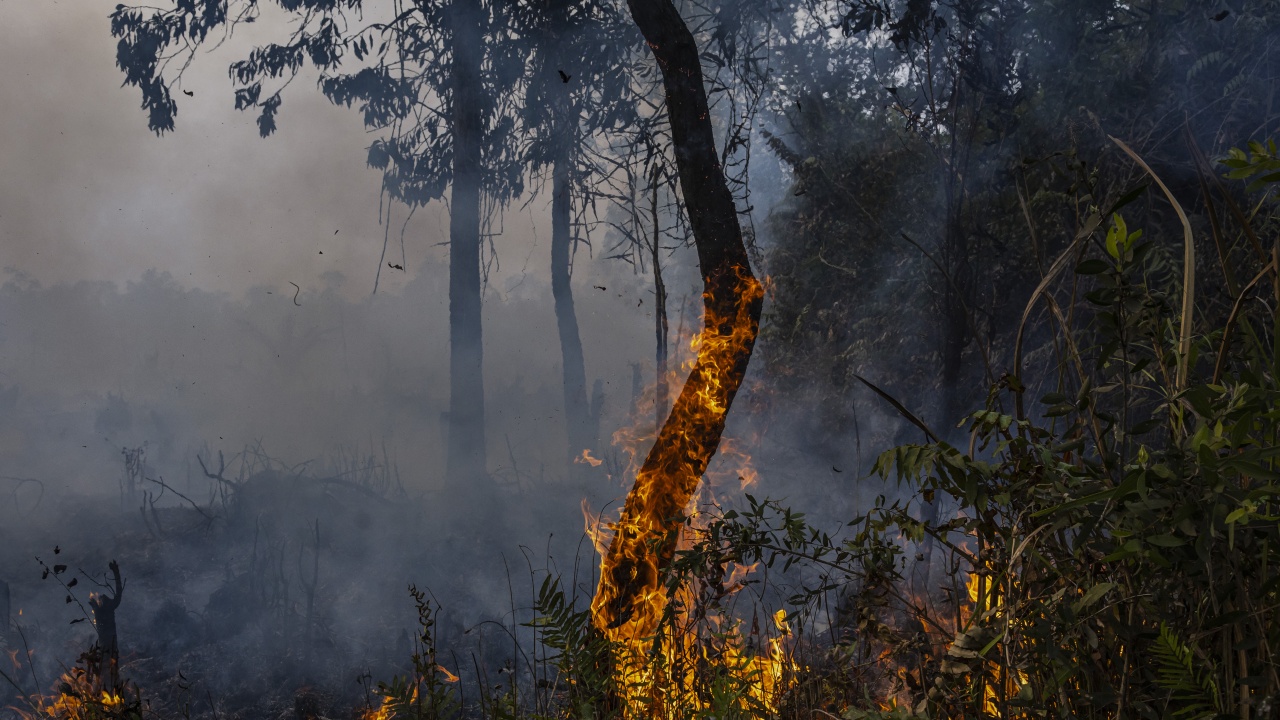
{"x":629,"y":599}
{"x":957,"y":300}
{"x":953,"y":340}
{"x":5,"y":622}
{"x":577,"y":414}
{"x":660,"y":313}
{"x":466,"y":453}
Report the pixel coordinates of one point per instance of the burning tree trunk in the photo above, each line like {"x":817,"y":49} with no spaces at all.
{"x":104,"y":621}
{"x":629,"y":599}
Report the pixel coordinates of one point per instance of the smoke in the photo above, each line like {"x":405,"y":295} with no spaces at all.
{"x":329,"y":415}
{"x":209,"y":293}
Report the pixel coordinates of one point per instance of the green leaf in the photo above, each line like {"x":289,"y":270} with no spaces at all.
{"x":1093,"y":595}
{"x":1236,"y":515}
{"x":1093,"y":266}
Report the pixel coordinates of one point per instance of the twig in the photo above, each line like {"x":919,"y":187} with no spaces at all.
{"x":910,"y":416}
{"x":222,"y":466}
{"x":26,"y":648}
{"x":194,"y":504}
{"x":1221,"y":364}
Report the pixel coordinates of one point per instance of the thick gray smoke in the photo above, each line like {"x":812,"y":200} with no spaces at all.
{"x":167,"y":302}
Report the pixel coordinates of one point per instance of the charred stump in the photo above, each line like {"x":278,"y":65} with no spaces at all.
{"x":104,"y":620}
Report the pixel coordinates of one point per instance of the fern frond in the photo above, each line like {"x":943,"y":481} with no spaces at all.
{"x":1205,"y":62}
{"x":1191,"y":688}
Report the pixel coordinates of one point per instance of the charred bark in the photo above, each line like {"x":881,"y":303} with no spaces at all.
{"x":466,"y":453}
{"x":629,"y":599}
{"x":104,"y":621}
{"x":661,"y":393}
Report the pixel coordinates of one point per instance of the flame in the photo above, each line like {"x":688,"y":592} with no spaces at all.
{"x":629,"y":599}
{"x":596,"y":529}
{"x":985,"y":599}
{"x":386,"y":709}
{"x":77,"y":699}
{"x":737,"y":578}
{"x":586,"y":459}
{"x":392,"y":707}
{"x":657,"y":669}
{"x":382,"y":712}
{"x":669,"y":678}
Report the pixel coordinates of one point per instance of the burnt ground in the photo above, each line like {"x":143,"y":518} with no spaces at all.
{"x":285,"y":596}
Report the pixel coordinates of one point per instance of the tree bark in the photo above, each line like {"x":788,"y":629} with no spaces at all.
{"x":577,"y":413}
{"x":104,"y":621}
{"x":466,"y":452}
{"x":629,"y":599}
{"x":6,"y":623}
{"x":957,"y":298}
{"x":659,"y":312}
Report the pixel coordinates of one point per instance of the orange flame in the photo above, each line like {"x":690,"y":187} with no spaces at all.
{"x":77,"y":699}
{"x":629,"y":600}
{"x":656,"y":676}
{"x":586,"y":459}
{"x":985,"y":599}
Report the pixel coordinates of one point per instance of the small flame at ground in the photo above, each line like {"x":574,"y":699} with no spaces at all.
{"x":78,"y":699}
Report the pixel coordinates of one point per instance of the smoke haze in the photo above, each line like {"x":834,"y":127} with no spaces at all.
{"x":210,"y":293}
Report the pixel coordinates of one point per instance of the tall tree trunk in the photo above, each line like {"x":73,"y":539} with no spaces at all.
{"x":954,"y":337}
{"x":659,"y":312}
{"x":630,"y":599}
{"x":577,"y":413}
{"x":466,"y":453}
{"x":957,"y":297}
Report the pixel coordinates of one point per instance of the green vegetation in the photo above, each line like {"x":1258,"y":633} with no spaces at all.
{"x":1112,"y":554}
{"x":1110,"y":548}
